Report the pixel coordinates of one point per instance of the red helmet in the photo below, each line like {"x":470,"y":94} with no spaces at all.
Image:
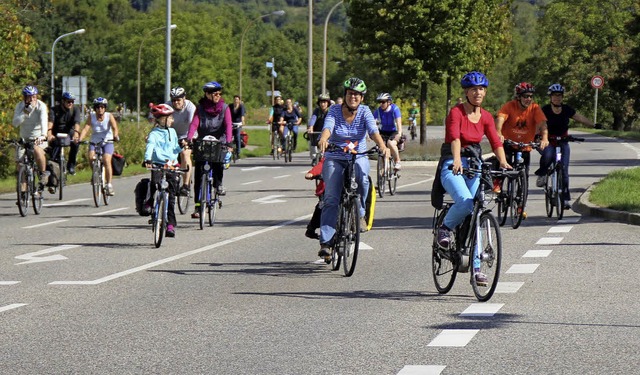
{"x":524,"y":87}
{"x":160,"y":110}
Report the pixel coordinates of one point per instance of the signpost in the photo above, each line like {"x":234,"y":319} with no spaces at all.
{"x":596,"y":82}
{"x":271,"y":64}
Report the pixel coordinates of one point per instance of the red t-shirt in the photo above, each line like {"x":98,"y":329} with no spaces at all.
{"x":520,"y":124}
{"x":458,"y":126}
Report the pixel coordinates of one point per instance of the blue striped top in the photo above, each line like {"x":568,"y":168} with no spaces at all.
{"x":342,"y":133}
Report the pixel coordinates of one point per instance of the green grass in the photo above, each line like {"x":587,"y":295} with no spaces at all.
{"x":620,"y":190}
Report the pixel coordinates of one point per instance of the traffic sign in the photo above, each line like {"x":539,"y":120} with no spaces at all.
{"x":597,"y":82}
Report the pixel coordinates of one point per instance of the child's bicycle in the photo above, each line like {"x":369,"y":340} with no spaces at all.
{"x":159,"y":214}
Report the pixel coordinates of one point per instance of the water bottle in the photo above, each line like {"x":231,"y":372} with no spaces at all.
{"x":519,"y":158}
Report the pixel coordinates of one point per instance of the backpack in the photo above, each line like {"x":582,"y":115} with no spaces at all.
{"x":54,"y":169}
{"x":143,"y":195}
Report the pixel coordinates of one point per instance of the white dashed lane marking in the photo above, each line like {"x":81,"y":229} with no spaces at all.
{"x":537,"y":254}
{"x":9,"y":282}
{"x":523,"y":268}
{"x":560,"y":229}
{"x":12,"y":306}
{"x":549,"y":241}
{"x":421,"y":370}
{"x":454,"y":337}
{"x":508,"y":287}
{"x":482,"y":309}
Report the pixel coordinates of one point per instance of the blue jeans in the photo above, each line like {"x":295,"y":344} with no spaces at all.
{"x":295,"y":135}
{"x":461,"y":189}
{"x":333,"y":176}
{"x":548,"y":156}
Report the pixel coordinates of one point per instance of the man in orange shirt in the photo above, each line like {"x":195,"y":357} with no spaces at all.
{"x":520,"y":120}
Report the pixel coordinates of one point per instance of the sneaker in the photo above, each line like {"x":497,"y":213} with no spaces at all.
{"x":221,"y":190}
{"x":541,"y":180}
{"x":364,"y":227}
{"x":481,"y":278}
{"x":444,"y":237}
{"x":171,"y":231}
{"x":110,"y":190}
{"x":497,"y":185}
{"x":397,"y":166}
{"x":325,"y":251}
{"x":195,"y":214}
{"x":184,"y":190}
{"x":52,"y":189}
{"x":310,"y":233}
{"x":71,"y":168}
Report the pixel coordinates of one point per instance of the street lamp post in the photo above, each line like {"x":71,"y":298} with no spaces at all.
{"x":324,"y":49}
{"x":275,"y":13}
{"x":139,"y":56}
{"x":53,"y":87}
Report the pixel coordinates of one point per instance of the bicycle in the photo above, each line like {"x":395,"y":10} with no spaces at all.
{"x":413,"y":128}
{"x":98,"y":185}
{"x":276,"y":147}
{"x":314,"y":153}
{"x":554,"y":185}
{"x":288,"y":143}
{"x":386,"y":174}
{"x":63,"y":141}
{"x":346,"y":241}
{"x":25,"y":179}
{"x":515,"y":188}
{"x":476,"y":240}
{"x":237,"y":141}
{"x":159,"y":214}
{"x":209,"y":151}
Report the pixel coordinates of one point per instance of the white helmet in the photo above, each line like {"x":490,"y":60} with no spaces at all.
{"x":383,"y":97}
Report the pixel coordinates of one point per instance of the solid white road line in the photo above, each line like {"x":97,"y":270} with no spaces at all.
{"x":66,"y":203}
{"x":537,"y":254}
{"x":415,"y":183}
{"x":560,"y":229}
{"x":180,"y":256}
{"x":482,"y":309}
{"x":523,"y":268}
{"x":422,"y":370}
{"x":549,"y":241}
{"x":110,"y":211}
{"x":44,"y":224}
{"x":251,"y":182}
{"x":9,"y":282}
{"x":508,"y":287}
{"x":454,"y":337}
{"x":283,"y":176}
{"x":12,"y":306}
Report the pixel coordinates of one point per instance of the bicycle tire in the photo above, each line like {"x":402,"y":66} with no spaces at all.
{"x":212,"y":209}
{"x":290,"y":149}
{"x":558,"y":193}
{"x":503,"y":201}
{"x":159,"y":222}
{"x":36,"y":197}
{"x":22,"y":190}
{"x":381,"y":176}
{"x":393,"y":178}
{"x":490,"y":244}
{"x":444,"y":267}
{"x":351,"y":236}
{"x":96,"y":184}
{"x":204,"y":198}
{"x":184,"y":200}
{"x":62,"y":177}
{"x":518,"y":200}
{"x":548,"y":194}
{"x":105,"y":197}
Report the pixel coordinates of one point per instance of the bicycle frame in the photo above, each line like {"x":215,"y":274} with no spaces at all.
{"x":25,"y":178}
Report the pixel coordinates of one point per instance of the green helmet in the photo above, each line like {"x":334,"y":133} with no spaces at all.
{"x":355,"y":84}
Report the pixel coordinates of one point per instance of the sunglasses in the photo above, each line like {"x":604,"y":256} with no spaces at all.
{"x":69,"y":101}
{"x":527,"y":96}
{"x":215,"y":93}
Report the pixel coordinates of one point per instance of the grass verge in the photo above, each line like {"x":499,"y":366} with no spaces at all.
{"x":618,"y":191}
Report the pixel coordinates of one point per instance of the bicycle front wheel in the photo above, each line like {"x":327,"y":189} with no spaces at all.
{"x":393,"y":177}
{"x":105,"y":195}
{"x":160,"y":219}
{"x":488,"y":243}
{"x":558,"y":191}
{"x":22,"y":189}
{"x":381,"y":176}
{"x":96,"y":184}
{"x":548,"y":195}
{"x":36,"y":197}
{"x":183,"y":200}
{"x":351,"y":236}
{"x":204,"y":198}
{"x":503,"y":201}
{"x":518,"y":200}
{"x":62,"y":177}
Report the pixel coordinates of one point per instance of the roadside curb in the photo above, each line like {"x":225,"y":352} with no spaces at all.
{"x":585,"y":207}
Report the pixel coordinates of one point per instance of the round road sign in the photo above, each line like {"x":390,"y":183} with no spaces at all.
{"x":597,"y":82}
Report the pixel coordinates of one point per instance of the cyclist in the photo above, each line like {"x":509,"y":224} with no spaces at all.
{"x":103,"y":127}
{"x":65,"y":118}
{"x":520,"y":120}
{"x":163,"y":149}
{"x":237,"y":120}
{"x":183,"y":112}
{"x":274,"y":117}
{"x":213,"y":117}
{"x":316,"y":122}
{"x":290,"y":116}
{"x":348,"y":123}
{"x":558,"y":116}
{"x":30,"y":116}
{"x":389,"y":120}
{"x":465,"y":126}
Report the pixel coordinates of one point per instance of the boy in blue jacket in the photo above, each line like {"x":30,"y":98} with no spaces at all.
{"x":163,"y":150}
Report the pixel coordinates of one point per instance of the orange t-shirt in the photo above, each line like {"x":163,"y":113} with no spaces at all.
{"x":520,"y":124}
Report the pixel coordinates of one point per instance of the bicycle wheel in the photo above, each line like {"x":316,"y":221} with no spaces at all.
{"x":290,"y":147}
{"x":443,"y":262}
{"x":548,"y":194}
{"x":393,"y":177}
{"x":381,"y":176}
{"x":183,"y":200}
{"x":518,"y":200}
{"x":160,"y":218}
{"x":558,"y":191}
{"x":62,"y":177}
{"x":105,"y":195}
{"x":212,"y":209}
{"x":22,"y":189}
{"x":503,"y":201}
{"x":489,"y":244}
{"x":274,"y":147}
{"x":96,"y":184}
{"x":351,"y":236}
{"x":204,"y":198}
{"x":36,"y":198}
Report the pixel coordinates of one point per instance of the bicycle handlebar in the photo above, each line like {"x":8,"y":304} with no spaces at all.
{"x":521,"y":145}
{"x":565,"y":138}
{"x":332,"y":147}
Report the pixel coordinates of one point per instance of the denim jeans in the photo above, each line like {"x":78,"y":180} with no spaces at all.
{"x":333,"y":176}
{"x":548,"y":156}
{"x":295,"y":136}
{"x":461,"y":189}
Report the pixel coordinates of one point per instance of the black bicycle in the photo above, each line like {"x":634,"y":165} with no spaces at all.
{"x":26,"y":187}
{"x":209,"y":152}
{"x":288,"y":143}
{"x":62,"y":140}
{"x":98,"y":183}
{"x":554,"y":185}
{"x":159,"y":215}
{"x":346,"y":241}
{"x":477,"y":238}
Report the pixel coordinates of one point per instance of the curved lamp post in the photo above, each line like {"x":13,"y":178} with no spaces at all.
{"x":139,"y":56}
{"x":324,"y":49}
{"x":53,"y":87}
{"x":275,"y":13}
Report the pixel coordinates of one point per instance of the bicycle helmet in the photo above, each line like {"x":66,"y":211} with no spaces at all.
{"x":68,"y":96}
{"x":30,"y":90}
{"x":100,"y":101}
{"x":212,"y":86}
{"x":355,"y":84}
{"x":159,"y":110}
{"x":384,"y":97}
{"x":523,"y":88}
{"x":556,"y":87}
{"x":177,"y":92}
{"x":324,"y":98}
{"x":474,"y":79}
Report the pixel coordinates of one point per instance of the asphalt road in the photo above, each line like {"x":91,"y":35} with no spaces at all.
{"x":83,"y":290}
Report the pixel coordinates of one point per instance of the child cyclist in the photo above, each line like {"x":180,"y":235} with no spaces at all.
{"x":163,"y":150}
{"x":313,"y":174}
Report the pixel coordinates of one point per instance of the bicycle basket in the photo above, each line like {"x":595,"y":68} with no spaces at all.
{"x":212,"y":152}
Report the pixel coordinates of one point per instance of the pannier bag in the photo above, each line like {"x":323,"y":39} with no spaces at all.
{"x":117,"y":164}
{"x":143,"y":195}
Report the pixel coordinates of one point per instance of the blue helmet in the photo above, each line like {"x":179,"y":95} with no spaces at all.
{"x":212,"y":86}
{"x":474,"y":79}
{"x":30,"y":90}
{"x":68,"y":96}
{"x":556,"y":87}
